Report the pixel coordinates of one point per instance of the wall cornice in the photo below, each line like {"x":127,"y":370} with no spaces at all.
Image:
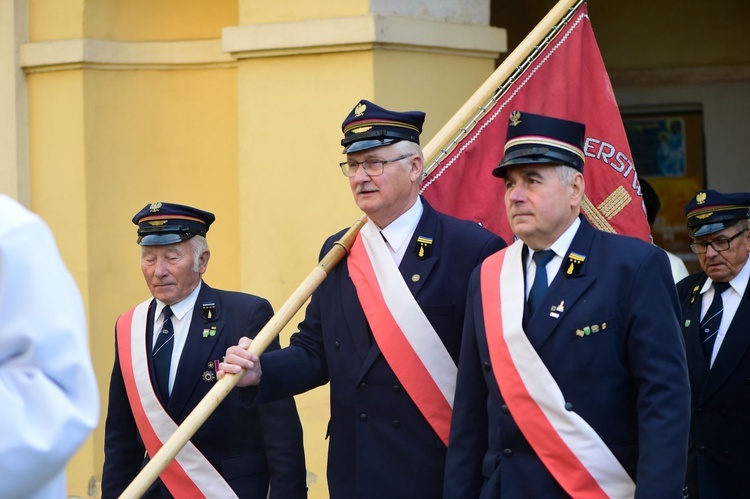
{"x":104,"y":54}
{"x":363,"y":33}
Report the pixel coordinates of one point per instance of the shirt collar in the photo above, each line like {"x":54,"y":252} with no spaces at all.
{"x":179,"y":309}
{"x":400,"y":230}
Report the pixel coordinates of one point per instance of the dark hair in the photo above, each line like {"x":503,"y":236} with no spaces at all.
{"x":651,"y":200}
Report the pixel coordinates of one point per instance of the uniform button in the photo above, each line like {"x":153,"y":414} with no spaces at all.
{"x":487,"y":366}
{"x":396,"y":388}
{"x":747,"y":381}
{"x":699,"y":410}
{"x":504,"y":409}
{"x":568,"y":406}
{"x":336,"y":345}
{"x":727,"y":453}
{"x":724,"y":413}
{"x":363,"y":417}
{"x":362,"y":385}
{"x":396,"y":423}
{"x":701,"y":448}
{"x":508,"y":452}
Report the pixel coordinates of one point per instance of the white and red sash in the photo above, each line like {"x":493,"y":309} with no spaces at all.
{"x":190,"y":474}
{"x":405,"y":336}
{"x":570,"y":449}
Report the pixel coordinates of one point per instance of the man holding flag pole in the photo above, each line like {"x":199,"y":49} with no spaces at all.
{"x":384,"y":328}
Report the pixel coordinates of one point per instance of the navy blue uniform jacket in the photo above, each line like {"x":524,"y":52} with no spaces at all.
{"x":719,"y":450}
{"x":380,"y":444}
{"x":248,"y":446}
{"x":628,"y":381}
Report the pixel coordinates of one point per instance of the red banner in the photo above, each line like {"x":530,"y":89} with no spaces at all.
{"x":567,"y":80}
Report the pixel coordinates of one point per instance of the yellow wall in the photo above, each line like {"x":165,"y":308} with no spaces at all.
{"x":254,"y":11}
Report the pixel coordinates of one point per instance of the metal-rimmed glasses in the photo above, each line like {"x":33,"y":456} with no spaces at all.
{"x":373,"y":167}
{"x":718,"y":245}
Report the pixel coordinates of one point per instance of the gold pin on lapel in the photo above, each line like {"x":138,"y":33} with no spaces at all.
{"x":695,"y":293}
{"x":576,"y":260}
{"x":423,"y":247}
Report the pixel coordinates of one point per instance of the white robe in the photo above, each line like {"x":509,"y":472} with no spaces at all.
{"x":48,"y":393}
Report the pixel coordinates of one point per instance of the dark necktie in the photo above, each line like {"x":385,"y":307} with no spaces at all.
{"x":162,"y":354}
{"x":712,"y":320}
{"x":539,"y":288}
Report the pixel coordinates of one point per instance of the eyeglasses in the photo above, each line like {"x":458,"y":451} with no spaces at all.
{"x":717,"y":244}
{"x":373,"y":167}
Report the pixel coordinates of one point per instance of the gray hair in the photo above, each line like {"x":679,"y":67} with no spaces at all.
{"x":407,"y":147}
{"x":565,"y":173}
{"x":200,"y":246}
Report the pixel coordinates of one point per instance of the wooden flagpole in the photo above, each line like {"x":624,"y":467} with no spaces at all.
{"x":480,"y":101}
{"x":221,"y":389}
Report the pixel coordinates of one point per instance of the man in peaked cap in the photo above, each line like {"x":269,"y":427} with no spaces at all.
{"x":715,"y":314}
{"x":572,"y":379}
{"x":384,"y":328}
{"x":167,"y":352}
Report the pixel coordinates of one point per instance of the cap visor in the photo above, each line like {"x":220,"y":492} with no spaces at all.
{"x":164,"y":239}
{"x":363,"y":145}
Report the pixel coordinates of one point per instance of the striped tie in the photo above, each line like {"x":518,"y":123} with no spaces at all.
{"x":712,"y":320}
{"x":162,"y":354}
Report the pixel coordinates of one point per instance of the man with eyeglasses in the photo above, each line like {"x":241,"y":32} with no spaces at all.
{"x":715,"y":315}
{"x":384,"y":328}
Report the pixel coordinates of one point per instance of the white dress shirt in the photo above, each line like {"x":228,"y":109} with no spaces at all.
{"x":730,"y":298}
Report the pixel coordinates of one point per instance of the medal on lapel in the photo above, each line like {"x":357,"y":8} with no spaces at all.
{"x":209,"y":375}
{"x":424,"y":244}
{"x":209,"y":311}
{"x":575,"y":264}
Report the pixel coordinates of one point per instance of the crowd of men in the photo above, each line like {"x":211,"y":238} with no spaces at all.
{"x":565,"y":364}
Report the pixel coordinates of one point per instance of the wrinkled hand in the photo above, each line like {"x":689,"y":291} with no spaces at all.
{"x":238,"y":358}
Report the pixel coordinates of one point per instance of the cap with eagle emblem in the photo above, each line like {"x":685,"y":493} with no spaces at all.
{"x":711,"y":211}
{"x":537,"y":139}
{"x":169,"y":223}
{"x":369,"y":125}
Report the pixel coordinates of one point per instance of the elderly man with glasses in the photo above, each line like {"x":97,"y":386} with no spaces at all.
{"x":385,"y":327}
{"x":715,"y":315}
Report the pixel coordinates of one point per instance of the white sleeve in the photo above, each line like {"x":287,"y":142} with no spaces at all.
{"x":48,"y":393}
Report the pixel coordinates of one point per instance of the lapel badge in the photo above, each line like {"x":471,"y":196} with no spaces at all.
{"x":695,"y":293}
{"x":556,"y":310}
{"x":209,"y":311}
{"x":415,"y":278}
{"x":589,"y":330}
{"x":209,"y":375}
{"x":209,"y":331}
{"x":687,"y":323}
{"x":514,"y":119}
{"x":576,"y":261}
{"x":423,"y":247}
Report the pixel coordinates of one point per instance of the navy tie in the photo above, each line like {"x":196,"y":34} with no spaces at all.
{"x":539,"y":288}
{"x":712,"y":320}
{"x":162,"y":354}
